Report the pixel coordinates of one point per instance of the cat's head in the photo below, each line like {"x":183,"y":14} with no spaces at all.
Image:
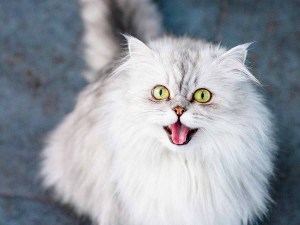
{"x":183,"y":92}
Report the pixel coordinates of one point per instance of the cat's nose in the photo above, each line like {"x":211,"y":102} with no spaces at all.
{"x":179,"y":110}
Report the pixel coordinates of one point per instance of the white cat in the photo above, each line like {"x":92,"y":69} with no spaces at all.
{"x":175,"y":133}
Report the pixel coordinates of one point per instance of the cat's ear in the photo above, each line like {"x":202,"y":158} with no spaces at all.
{"x":235,"y":58}
{"x":137,"y":47}
{"x":237,"y":53}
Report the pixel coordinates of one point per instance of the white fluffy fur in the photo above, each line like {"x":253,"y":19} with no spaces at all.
{"x":111,"y":158}
{"x":101,"y":38}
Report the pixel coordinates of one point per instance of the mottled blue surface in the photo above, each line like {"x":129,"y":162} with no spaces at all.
{"x":40,"y":66}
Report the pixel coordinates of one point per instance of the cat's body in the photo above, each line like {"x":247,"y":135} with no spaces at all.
{"x":112,"y":159}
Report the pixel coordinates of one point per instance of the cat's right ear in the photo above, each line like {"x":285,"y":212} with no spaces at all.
{"x":137,"y":47}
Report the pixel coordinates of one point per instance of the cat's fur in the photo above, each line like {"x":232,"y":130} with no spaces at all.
{"x":111,"y":158}
{"x":105,"y":20}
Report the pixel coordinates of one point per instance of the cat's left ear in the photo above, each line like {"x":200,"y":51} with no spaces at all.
{"x":235,"y":59}
{"x":137,"y":47}
{"x":238,"y":53}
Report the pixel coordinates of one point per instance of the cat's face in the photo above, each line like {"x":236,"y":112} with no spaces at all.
{"x":182,"y":92}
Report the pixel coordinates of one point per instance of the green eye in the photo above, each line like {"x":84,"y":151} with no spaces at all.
{"x":160,"y":92}
{"x":202,"y":95}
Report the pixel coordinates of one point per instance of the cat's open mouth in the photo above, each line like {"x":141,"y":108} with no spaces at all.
{"x":179,"y":134}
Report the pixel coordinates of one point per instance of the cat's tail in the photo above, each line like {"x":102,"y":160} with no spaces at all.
{"x":105,"y":20}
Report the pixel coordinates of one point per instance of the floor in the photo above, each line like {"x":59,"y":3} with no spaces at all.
{"x":40,"y":66}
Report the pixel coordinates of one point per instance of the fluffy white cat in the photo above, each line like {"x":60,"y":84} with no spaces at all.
{"x":174,"y":133}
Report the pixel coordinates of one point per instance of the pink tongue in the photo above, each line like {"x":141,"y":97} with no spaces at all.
{"x":179,"y":133}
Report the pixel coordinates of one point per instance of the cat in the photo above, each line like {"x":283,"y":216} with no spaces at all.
{"x":173,"y":131}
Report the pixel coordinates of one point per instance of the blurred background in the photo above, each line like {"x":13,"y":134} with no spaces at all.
{"x":40,"y":76}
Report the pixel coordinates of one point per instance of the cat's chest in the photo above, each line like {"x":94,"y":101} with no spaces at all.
{"x":164,"y":189}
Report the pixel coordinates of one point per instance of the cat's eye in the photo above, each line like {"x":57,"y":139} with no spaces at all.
{"x":202,"y":95}
{"x":160,"y":92}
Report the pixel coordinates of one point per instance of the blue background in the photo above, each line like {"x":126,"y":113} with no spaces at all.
{"x":40,"y":66}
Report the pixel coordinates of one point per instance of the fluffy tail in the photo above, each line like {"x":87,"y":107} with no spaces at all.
{"x":105,"y":20}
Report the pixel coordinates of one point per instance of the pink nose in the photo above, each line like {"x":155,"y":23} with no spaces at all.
{"x":179,"y":110}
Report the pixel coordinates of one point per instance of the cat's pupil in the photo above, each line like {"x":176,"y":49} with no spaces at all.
{"x":202,"y":95}
{"x":160,"y":92}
